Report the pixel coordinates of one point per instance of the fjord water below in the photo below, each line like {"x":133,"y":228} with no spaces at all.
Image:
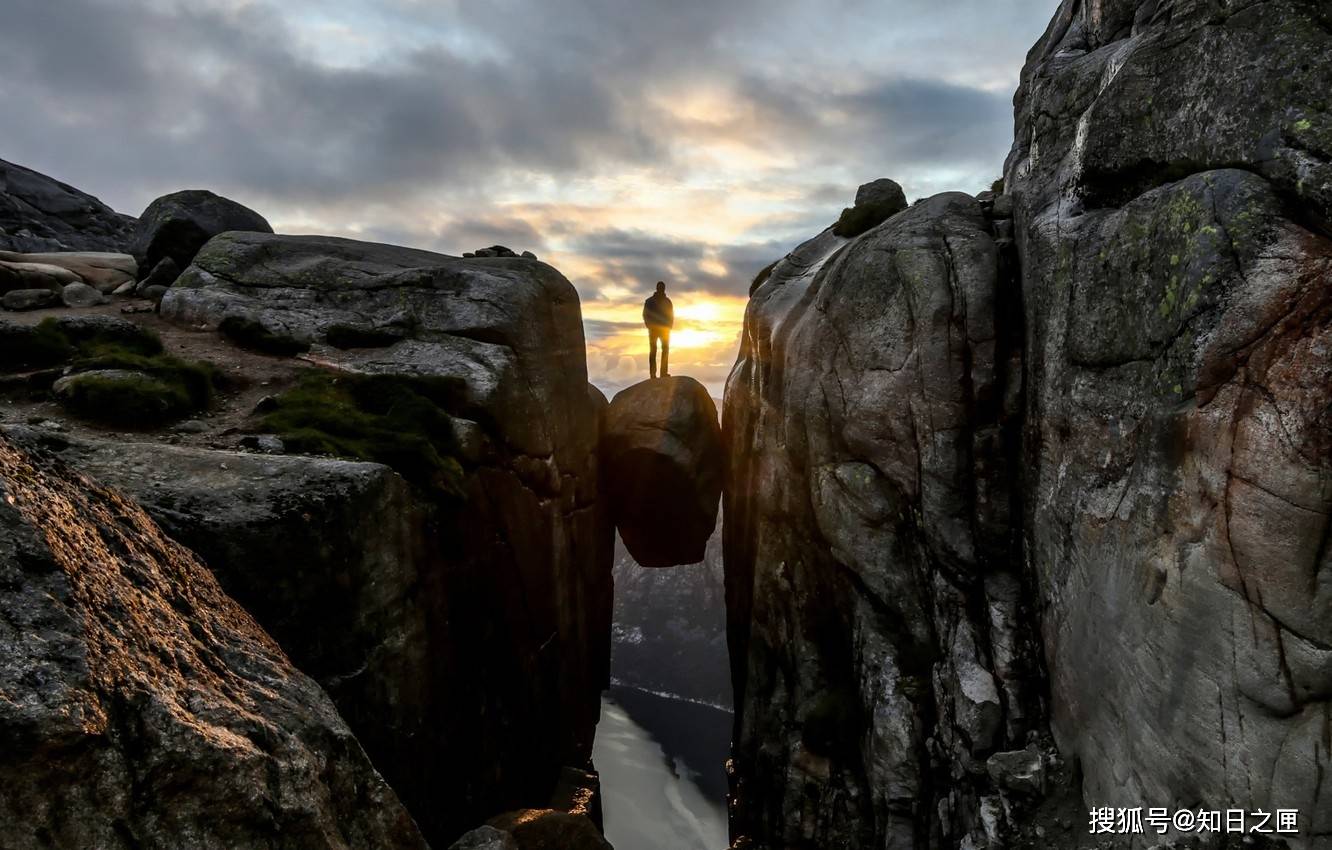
{"x":663,"y":780}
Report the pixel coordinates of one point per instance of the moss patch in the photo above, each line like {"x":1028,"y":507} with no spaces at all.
{"x":398,"y":421}
{"x":193,"y":381}
{"x":23,"y":347}
{"x":53,"y":342}
{"x":248,"y":333}
{"x":129,"y":399}
{"x":857,"y":220}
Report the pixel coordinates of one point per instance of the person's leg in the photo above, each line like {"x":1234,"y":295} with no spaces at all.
{"x":652,"y":353}
{"x":666,"y":352}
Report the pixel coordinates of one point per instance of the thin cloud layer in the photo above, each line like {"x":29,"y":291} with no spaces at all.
{"x":625,"y":141}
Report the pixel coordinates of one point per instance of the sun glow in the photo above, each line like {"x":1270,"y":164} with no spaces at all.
{"x":703,"y":343}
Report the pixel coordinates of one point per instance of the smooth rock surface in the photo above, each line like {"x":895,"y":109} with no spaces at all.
{"x":878,"y":631}
{"x":24,"y":275}
{"x":662,"y":462}
{"x":1171,"y":177}
{"x":101,"y":270}
{"x":81,"y":295}
{"x":145,"y":708}
{"x":29,"y":299}
{"x":176,"y":226}
{"x":38,"y":213}
{"x":883,"y":191}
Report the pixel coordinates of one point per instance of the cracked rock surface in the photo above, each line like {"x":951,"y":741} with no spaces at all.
{"x":492,"y":609}
{"x":140,"y":707}
{"x":881,"y":642}
{"x":1171,"y":173}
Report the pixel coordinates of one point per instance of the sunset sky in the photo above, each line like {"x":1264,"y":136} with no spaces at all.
{"x":624,"y":141}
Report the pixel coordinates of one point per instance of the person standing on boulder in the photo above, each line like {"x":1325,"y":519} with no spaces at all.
{"x":659,"y":316}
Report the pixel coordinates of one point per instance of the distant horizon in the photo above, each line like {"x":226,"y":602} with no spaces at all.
{"x":622,"y":142}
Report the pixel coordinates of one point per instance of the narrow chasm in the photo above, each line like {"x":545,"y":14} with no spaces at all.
{"x":665,"y":730}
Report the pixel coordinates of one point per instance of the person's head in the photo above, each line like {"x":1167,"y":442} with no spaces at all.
{"x":661,"y":287}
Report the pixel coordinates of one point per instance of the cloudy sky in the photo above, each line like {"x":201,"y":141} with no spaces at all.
{"x":624,"y":141}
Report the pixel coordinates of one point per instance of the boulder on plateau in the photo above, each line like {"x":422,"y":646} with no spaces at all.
{"x":176,"y":226}
{"x":661,"y":453}
{"x":143,"y":707}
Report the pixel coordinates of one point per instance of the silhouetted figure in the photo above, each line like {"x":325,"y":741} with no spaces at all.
{"x":659,"y":316}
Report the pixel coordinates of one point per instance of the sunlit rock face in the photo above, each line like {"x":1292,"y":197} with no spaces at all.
{"x":876,"y":610}
{"x":661,"y":455}
{"x":1172,"y":173}
{"x":142,"y":707}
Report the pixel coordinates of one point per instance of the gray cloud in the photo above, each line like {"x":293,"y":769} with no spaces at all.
{"x":452,"y":104}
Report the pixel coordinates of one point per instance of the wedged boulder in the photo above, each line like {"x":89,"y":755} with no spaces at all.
{"x":38,"y":213}
{"x":880,"y":644}
{"x":101,"y":270}
{"x":1179,"y":387}
{"x":662,"y":469}
{"x":179,"y":224}
{"x":145,"y":708}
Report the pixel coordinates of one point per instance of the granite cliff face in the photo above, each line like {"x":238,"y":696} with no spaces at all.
{"x":881,"y":649}
{"x":485,"y":675}
{"x":460,"y":618}
{"x":1171,"y":172}
{"x":1067,"y":472}
{"x":142,"y":707}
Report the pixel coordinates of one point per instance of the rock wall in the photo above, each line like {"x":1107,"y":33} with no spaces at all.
{"x":142,"y":707}
{"x":495,"y":623}
{"x":1080,"y":482}
{"x":1172,"y":172}
{"x":876,"y":610}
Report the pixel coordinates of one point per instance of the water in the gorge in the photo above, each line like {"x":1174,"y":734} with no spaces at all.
{"x":663,"y":780}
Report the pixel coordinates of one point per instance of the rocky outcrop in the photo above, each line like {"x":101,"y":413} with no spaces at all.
{"x":1118,"y":434}
{"x":662,"y":465}
{"x":41,"y":214}
{"x":1172,"y":171}
{"x":106,"y":272}
{"x":143,"y":707}
{"x":499,"y":687}
{"x":535,"y":829}
{"x":176,"y":226}
{"x":877,"y":626}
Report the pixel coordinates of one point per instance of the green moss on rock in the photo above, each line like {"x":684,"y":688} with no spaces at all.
{"x":864,"y":217}
{"x":395,"y":420}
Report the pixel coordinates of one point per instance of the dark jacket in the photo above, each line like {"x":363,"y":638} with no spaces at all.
{"x":658,"y":312}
